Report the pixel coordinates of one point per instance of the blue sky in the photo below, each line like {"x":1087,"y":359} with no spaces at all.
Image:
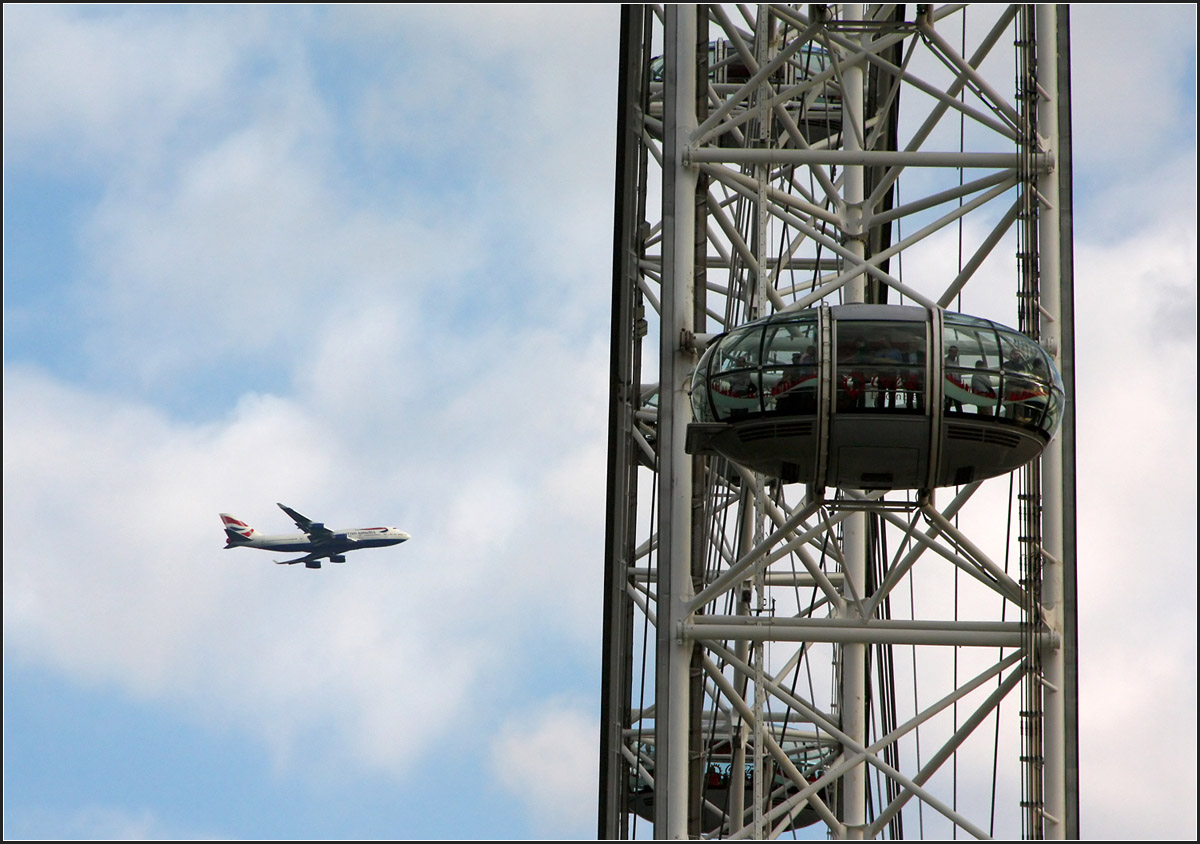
{"x":357,"y":259}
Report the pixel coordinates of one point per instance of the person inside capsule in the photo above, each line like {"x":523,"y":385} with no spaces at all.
{"x":981,"y":386}
{"x":953,"y":405}
{"x":788,"y":393}
{"x":852,"y":380}
{"x":889,"y":358}
{"x":913,"y":376}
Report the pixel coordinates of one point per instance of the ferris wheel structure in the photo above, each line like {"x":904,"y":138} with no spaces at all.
{"x":840,"y":556}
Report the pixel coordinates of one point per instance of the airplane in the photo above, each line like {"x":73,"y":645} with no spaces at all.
{"x":317,"y":539}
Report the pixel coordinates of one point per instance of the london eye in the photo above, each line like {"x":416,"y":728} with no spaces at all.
{"x":840,"y":552}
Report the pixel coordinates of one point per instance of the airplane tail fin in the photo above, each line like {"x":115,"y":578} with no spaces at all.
{"x":237,"y":532}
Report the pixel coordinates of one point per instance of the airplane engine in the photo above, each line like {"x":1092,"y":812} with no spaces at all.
{"x":338,"y":558}
{"x":312,"y":564}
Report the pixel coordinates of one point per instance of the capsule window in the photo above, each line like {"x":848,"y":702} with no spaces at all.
{"x":734,"y":386}
{"x":972,"y":369}
{"x":702,"y":410}
{"x":1053,"y":415}
{"x":994,"y":371}
{"x":789,"y":376}
{"x":881,"y":367}
{"x":739,"y":350}
{"x":1026,"y":390}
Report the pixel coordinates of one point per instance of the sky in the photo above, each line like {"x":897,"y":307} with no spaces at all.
{"x":358,"y":260}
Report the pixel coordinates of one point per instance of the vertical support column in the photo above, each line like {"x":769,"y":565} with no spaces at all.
{"x":1058,"y":471}
{"x":756,"y":307}
{"x":698,"y":739}
{"x":673,"y":650}
{"x":737,"y":771}
{"x":854,"y":190}
{"x":624,"y":372}
{"x":854,"y":655}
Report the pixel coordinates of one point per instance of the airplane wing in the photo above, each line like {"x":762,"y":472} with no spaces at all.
{"x":312,"y":561}
{"x":316,"y":530}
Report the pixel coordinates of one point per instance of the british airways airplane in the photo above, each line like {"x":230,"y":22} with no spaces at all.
{"x":317,"y":539}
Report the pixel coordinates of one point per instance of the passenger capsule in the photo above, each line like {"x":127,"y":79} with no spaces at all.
{"x":875,"y":397}
{"x":721,"y":779}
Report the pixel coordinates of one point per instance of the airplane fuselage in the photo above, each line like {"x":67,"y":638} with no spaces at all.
{"x":341,"y":541}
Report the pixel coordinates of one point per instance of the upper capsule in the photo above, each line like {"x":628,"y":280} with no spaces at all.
{"x":875,"y":396}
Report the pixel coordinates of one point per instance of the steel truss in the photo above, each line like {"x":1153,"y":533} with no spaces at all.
{"x":885,"y":664}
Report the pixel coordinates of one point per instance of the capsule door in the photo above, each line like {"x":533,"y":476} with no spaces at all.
{"x":880,"y":432}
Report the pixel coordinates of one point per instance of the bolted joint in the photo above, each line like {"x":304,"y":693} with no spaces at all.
{"x":860,"y":236}
{"x":690,"y":341}
{"x":681,"y":636}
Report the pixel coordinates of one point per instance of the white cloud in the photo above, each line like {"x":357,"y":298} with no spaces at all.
{"x":1137,"y":494}
{"x":136,"y":590}
{"x":1133,"y":79}
{"x":275,"y":229}
{"x":1139,"y":724}
{"x":341,"y":662}
{"x":248,"y":254}
{"x":546,"y":759}
{"x":70,"y":96}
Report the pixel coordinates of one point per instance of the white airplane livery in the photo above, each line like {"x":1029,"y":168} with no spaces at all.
{"x":318,"y":540}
